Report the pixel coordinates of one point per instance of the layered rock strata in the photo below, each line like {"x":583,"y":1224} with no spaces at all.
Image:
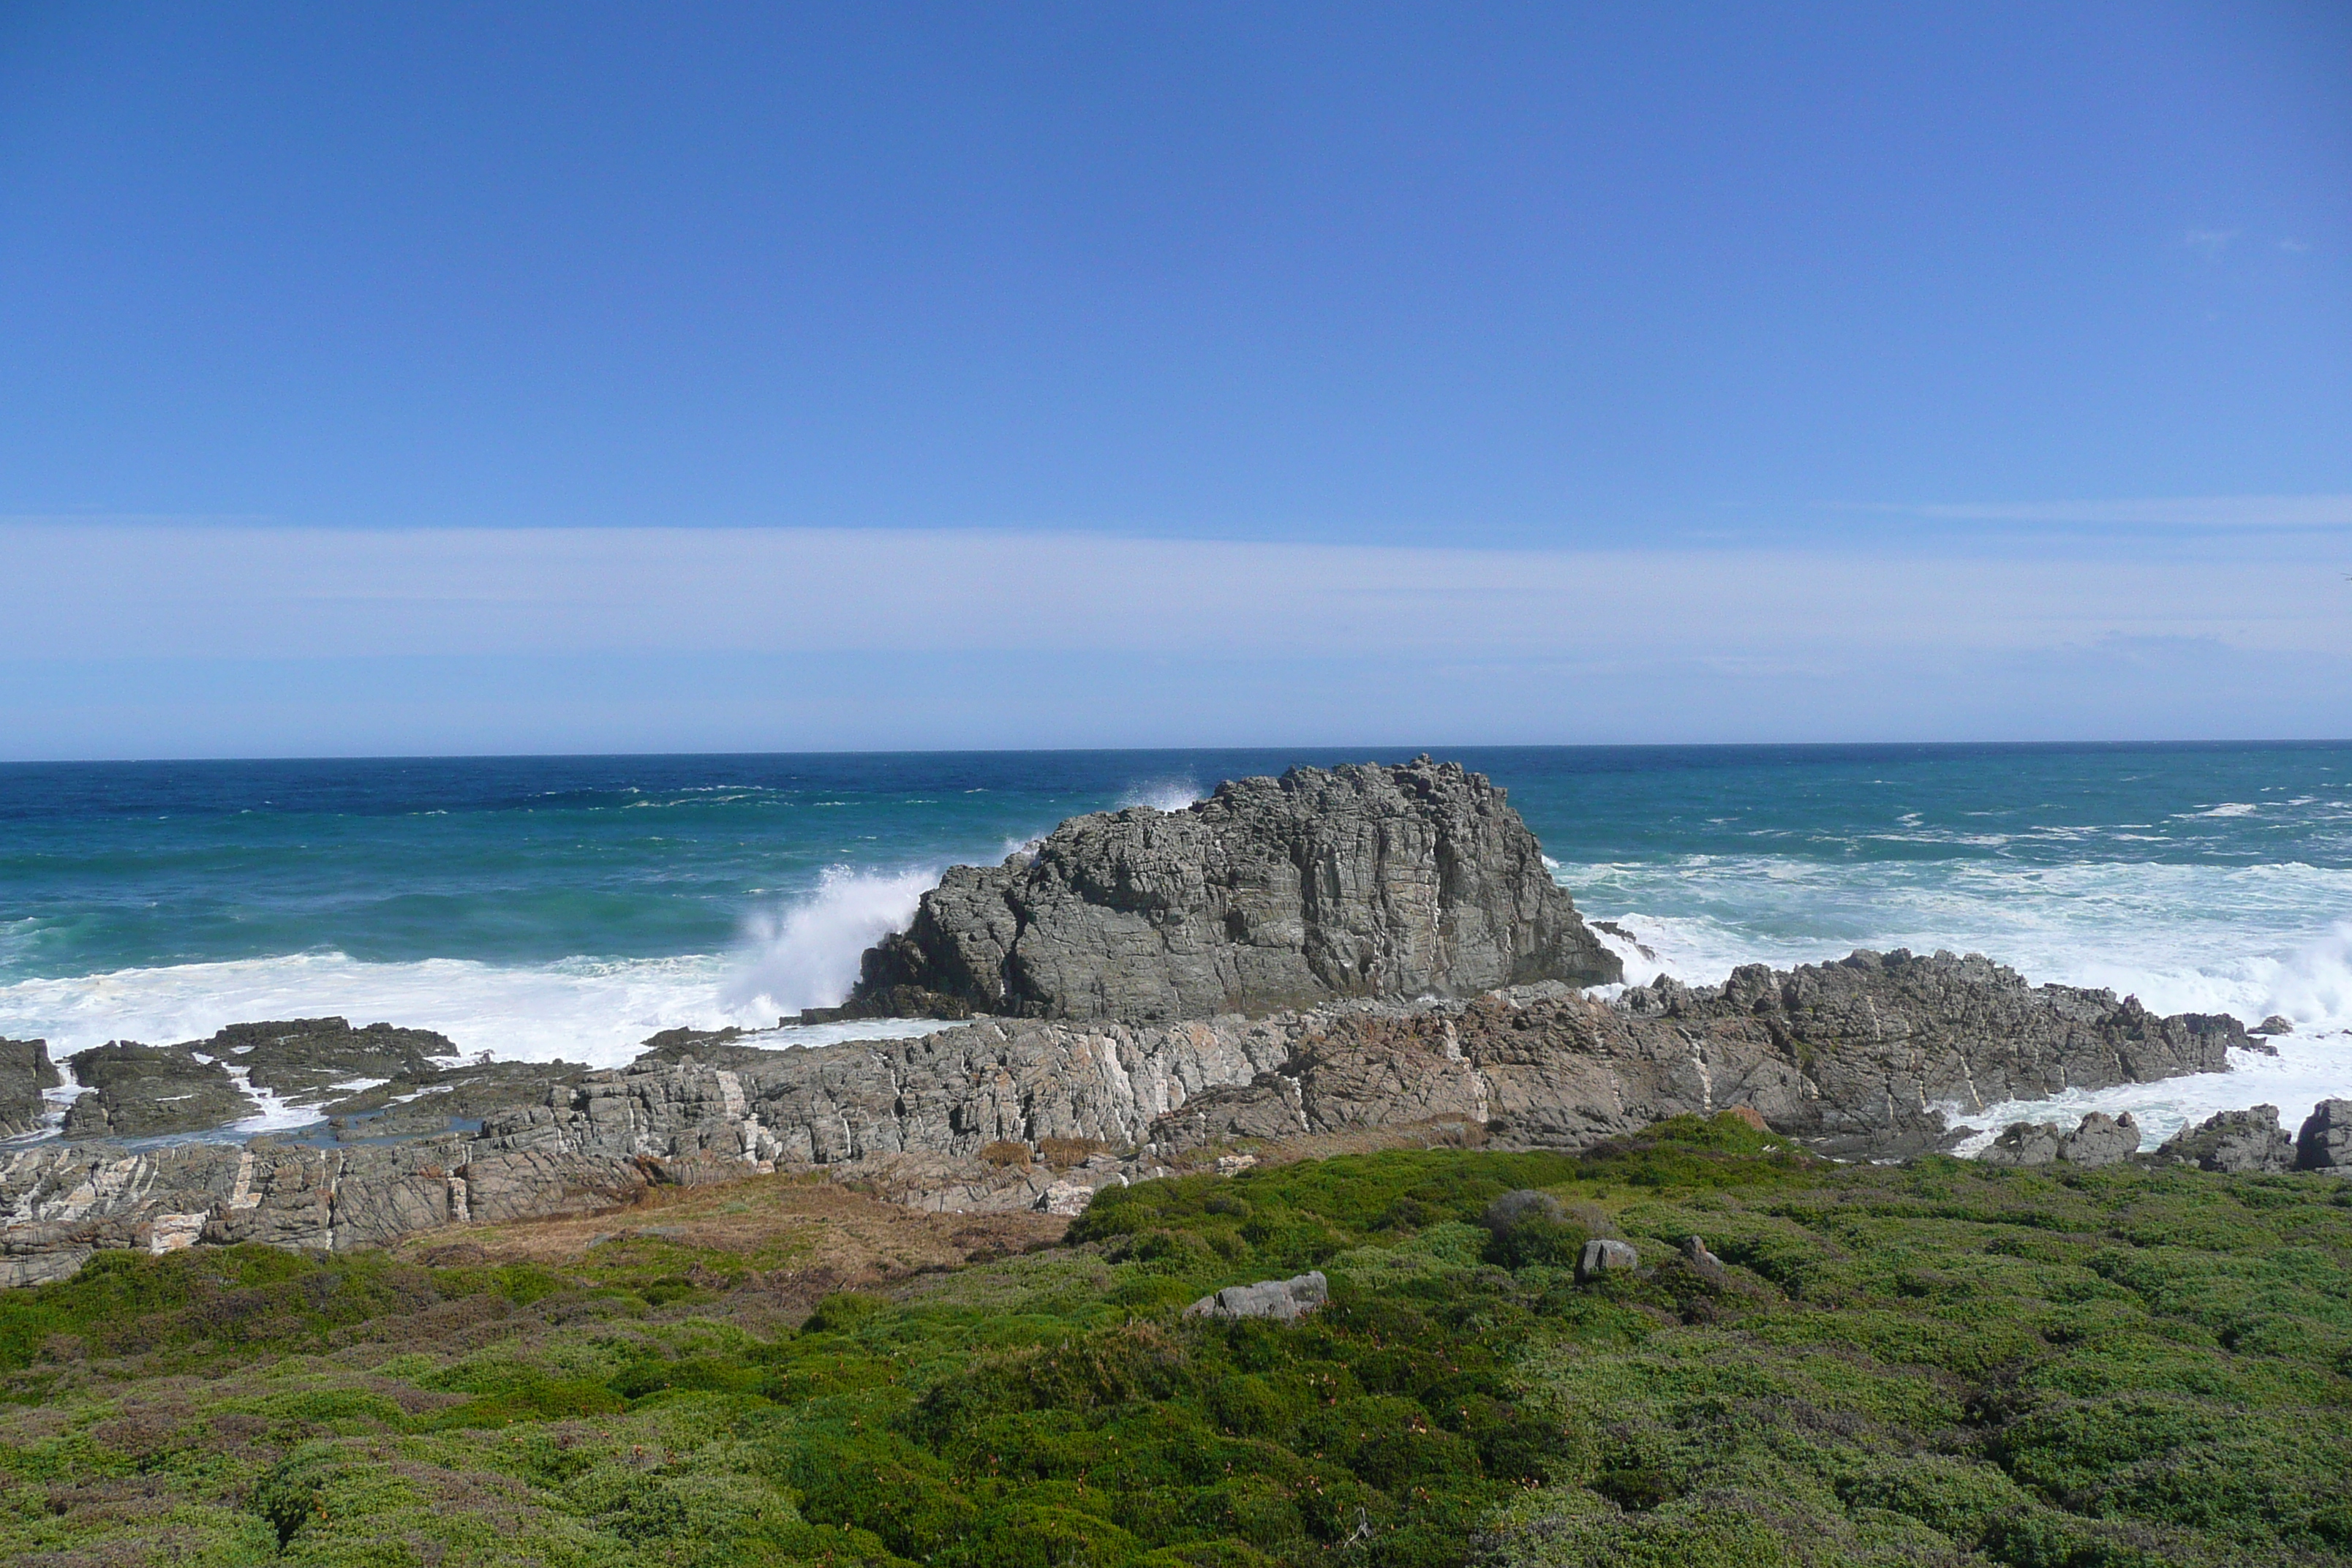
{"x":1363,"y":881}
{"x":1863,"y":1057}
{"x":25,"y":1071}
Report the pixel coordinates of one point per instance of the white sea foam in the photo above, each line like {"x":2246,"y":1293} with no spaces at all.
{"x":580,"y":1009}
{"x":805,"y":955}
{"x":2248,"y":940}
{"x":1162,"y":795}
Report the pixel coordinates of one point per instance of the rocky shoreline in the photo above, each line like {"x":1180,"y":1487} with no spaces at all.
{"x":1368,"y":954}
{"x":1859,"y":1058}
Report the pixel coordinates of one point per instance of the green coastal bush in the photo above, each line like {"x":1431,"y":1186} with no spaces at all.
{"x":1942,"y":1363}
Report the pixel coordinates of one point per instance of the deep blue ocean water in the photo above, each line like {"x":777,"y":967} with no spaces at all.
{"x":550,"y":905}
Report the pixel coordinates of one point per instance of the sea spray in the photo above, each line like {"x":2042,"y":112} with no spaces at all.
{"x":806,"y":955}
{"x":1162,"y":795}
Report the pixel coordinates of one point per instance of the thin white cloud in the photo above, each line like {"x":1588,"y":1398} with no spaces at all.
{"x":2208,"y":241}
{"x":284,"y":594}
{"x":2166,"y":511}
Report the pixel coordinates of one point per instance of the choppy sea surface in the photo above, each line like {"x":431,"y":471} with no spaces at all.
{"x":570,"y":906}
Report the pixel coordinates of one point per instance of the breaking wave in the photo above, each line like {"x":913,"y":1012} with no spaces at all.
{"x":805,"y":955}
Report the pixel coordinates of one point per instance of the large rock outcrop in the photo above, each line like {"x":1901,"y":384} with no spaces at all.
{"x":1363,"y":881}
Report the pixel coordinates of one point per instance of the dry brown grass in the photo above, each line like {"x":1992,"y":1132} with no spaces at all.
{"x":798,"y":1230}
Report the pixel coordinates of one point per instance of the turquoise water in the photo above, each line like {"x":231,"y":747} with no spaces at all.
{"x":537,"y":907}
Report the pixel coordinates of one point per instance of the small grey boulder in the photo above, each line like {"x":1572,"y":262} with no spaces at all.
{"x":2101,"y":1139}
{"x":2276,"y":1024}
{"x":2025,"y":1144}
{"x":1282,"y":1299}
{"x":2235,"y":1141}
{"x":1696,"y":1254}
{"x":1601,"y":1256}
{"x":2325,"y":1141}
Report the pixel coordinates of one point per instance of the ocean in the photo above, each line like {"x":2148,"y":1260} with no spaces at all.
{"x":545,"y":907}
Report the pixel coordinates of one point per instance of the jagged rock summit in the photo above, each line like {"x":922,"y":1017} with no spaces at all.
{"x":1361,"y":882}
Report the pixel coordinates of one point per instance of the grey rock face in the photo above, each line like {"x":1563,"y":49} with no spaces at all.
{"x":2101,"y":1139}
{"x":2273,"y":1025}
{"x":2234,"y":1141}
{"x":141,"y":1091}
{"x":2023,"y":1144}
{"x":1541,"y":1066}
{"x":1602,"y":1256}
{"x":304,"y":1059}
{"x":1273,"y":893}
{"x":2325,"y":1141}
{"x":1284,"y":1300}
{"x":24,"y":1070}
{"x":1887,"y":1037}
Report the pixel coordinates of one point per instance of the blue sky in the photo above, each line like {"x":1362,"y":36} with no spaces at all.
{"x":1095,"y":375}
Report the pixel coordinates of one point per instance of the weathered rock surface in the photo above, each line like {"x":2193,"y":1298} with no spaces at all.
{"x":1859,"y":1056}
{"x":2234,"y":1141}
{"x":2325,"y":1141}
{"x":2023,"y":1144}
{"x":1862,"y":1057}
{"x":1604,"y":1256}
{"x":2273,"y":1025}
{"x":142,"y":1092}
{"x":25,"y":1071}
{"x":1284,"y":1300}
{"x":2099,"y":1140}
{"x":1273,"y":893}
{"x":321,"y":1060}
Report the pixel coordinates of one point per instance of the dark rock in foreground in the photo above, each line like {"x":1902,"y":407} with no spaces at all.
{"x":1363,"y":881}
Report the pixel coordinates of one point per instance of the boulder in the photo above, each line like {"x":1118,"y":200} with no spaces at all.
{"x":2235,"y":1140}
{"x":2325,"y":1141}
{"x":2276,"y":1024}
{"x":2101,"y":1139}
{"x":1284,"y":1300}
{"x":2023,"y":1144}
{"x":1601,"y":1256}
{"x":1696,"y":1254}
{"x":1363,"y":881}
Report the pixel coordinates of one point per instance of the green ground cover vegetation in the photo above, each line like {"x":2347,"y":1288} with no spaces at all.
{"x":1939,"y":1364}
